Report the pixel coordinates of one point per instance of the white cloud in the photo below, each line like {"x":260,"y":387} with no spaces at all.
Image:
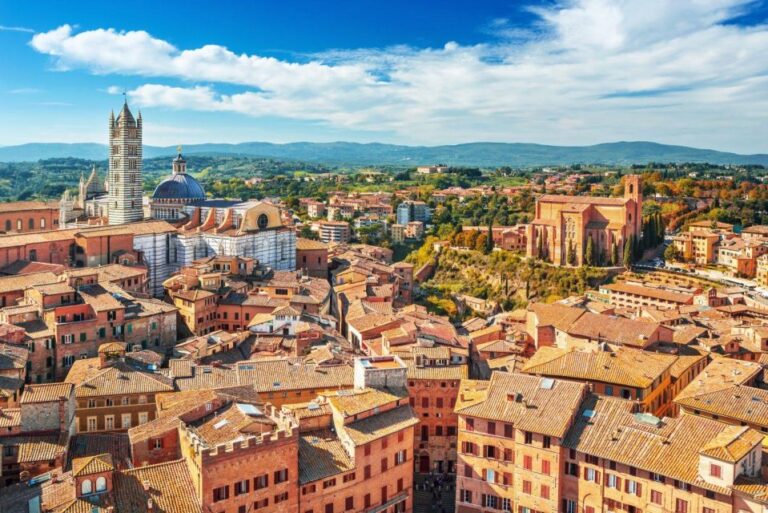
{"x":588,"y":71}
{"x":6,"y":28}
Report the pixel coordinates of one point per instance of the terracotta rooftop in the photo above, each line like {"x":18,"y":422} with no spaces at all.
{"x":170,"y":488}
{"x":606,"y":427}
{"x":46,"y":392}
{"x":321,"y":455}
{"x":539,"y":405}
{"x":624,"y":366}
{"x":650,"y":292}
{"x":92,"y":465}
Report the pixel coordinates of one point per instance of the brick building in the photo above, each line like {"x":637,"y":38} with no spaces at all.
{"x":312,"y":257}
{"x":113,"y":395}
{"x":29,"y":216}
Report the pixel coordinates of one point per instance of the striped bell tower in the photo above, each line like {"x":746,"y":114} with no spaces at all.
{"x":125,"y":164}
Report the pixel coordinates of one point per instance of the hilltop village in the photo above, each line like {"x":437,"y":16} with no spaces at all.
{"x":182,"y":353}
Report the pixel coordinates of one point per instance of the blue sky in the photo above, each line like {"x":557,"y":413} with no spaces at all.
{"x":417,"y":72}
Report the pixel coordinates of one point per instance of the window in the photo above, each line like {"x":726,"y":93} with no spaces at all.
{"x":527,"y":487}
{"x":608,"y":390}
{"x":260,"y":482}
{"x":242,"y":487}
{"x":328,"y":483}
{"x":491,"y":428}
{"x":280,"y":497}
{"x":468,"y":471}
{"x":349,"y":503}
{"x":384,"y":464}
{"x":569,"y":506}
{"x":349,"y":477}
{"x":367,"y":500}
{"x":632,"y":487}
{"x":400,"y":457}
{"x":489,"y":451}
{"x":508,"y":431}
{"x":572,"y":469}
{"x":221,"y":493}
{"x":681,"y":506}
{"x":281,"y":476}
{"x":490,"y":476}
{"x":657,"y":477}
{"x":109,"y":422}
{"x":91,"y":424}
{"x":707,"y":510}
{"x":125,"y":421}
{"x":545,"y":467}
{"x":7,"y":225}
{"x":544,"y":492}
{"x":715,"y":470}
{"x":528,"y":437}
{"x":465,"y":496}
{"x":613,"y":481}
{"x":506,"y":505}
{"x":591,"y":475}
{"x":527,"y":462}
{"x":509,"y":455}
{"x":86,"y":487}
{"x":101,"y":484}
{"x":367,"y":472}
{"x":470,"y":424}
{"x":157,"y":443}
{"x":656,"y":497}
{"x":547,"y":443}
{"x":263,"y":503}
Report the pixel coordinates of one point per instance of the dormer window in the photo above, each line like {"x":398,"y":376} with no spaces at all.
{"x":715,"y":471}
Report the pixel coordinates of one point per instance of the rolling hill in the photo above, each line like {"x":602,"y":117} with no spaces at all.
{"x":469,"y":154}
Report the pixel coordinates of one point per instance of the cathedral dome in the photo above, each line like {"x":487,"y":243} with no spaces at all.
{"x":179,"y":186}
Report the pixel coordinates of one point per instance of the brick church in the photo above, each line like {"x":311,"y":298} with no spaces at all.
{"x":563,"y":222}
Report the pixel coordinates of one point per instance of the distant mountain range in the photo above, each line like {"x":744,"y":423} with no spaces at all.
{"x":471,"y":154}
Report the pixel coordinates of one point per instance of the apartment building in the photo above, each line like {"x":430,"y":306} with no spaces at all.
{"x":728,"y":390}
{"x":334,"y":231}
{"x":359,"y":455}
{"x":641,"y":376}
{"x":410,"y":210}
{"x":697,"y":245}
{"x":434,"y":375}
{"x":573,"y":451}
{"x":112,"y":394}
{"x":636,"y":295}
{"x":511,"y":431}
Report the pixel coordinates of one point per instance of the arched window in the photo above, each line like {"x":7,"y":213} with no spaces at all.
{"x":32,"y":255}
{"x":8,"y":225}
{"x":42,"y":222}
{"x":101,"y":484}
{"x":31,"y":224}
{"x":86,"y":487}
{"x":631,"y":188}
{"x":262,"y":221}
{"x":18,"y":225}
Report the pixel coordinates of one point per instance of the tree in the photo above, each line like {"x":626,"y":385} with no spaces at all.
{"x":628,"y":252}
{"x":589,"y":253}
{"x":614,"y":254}
{"x":481,"y":243}
{"x":571,"y":258}
{"x":672,"y":254}
{"x":489,"y":238}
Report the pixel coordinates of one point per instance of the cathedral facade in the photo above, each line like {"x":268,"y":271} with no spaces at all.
{"x":563,"y":225}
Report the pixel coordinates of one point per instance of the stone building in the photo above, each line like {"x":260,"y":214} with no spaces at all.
{"x":563,"y":224}
{"x":125,"y":165}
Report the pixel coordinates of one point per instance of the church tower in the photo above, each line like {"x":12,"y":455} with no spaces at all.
{"x":633,"y":190}
{"x":125,"y":164}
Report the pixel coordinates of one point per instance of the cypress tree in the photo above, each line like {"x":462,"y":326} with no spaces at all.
{"x":614,"y":254}
{"x":628,"y":249}
{"x":589,"y":253}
